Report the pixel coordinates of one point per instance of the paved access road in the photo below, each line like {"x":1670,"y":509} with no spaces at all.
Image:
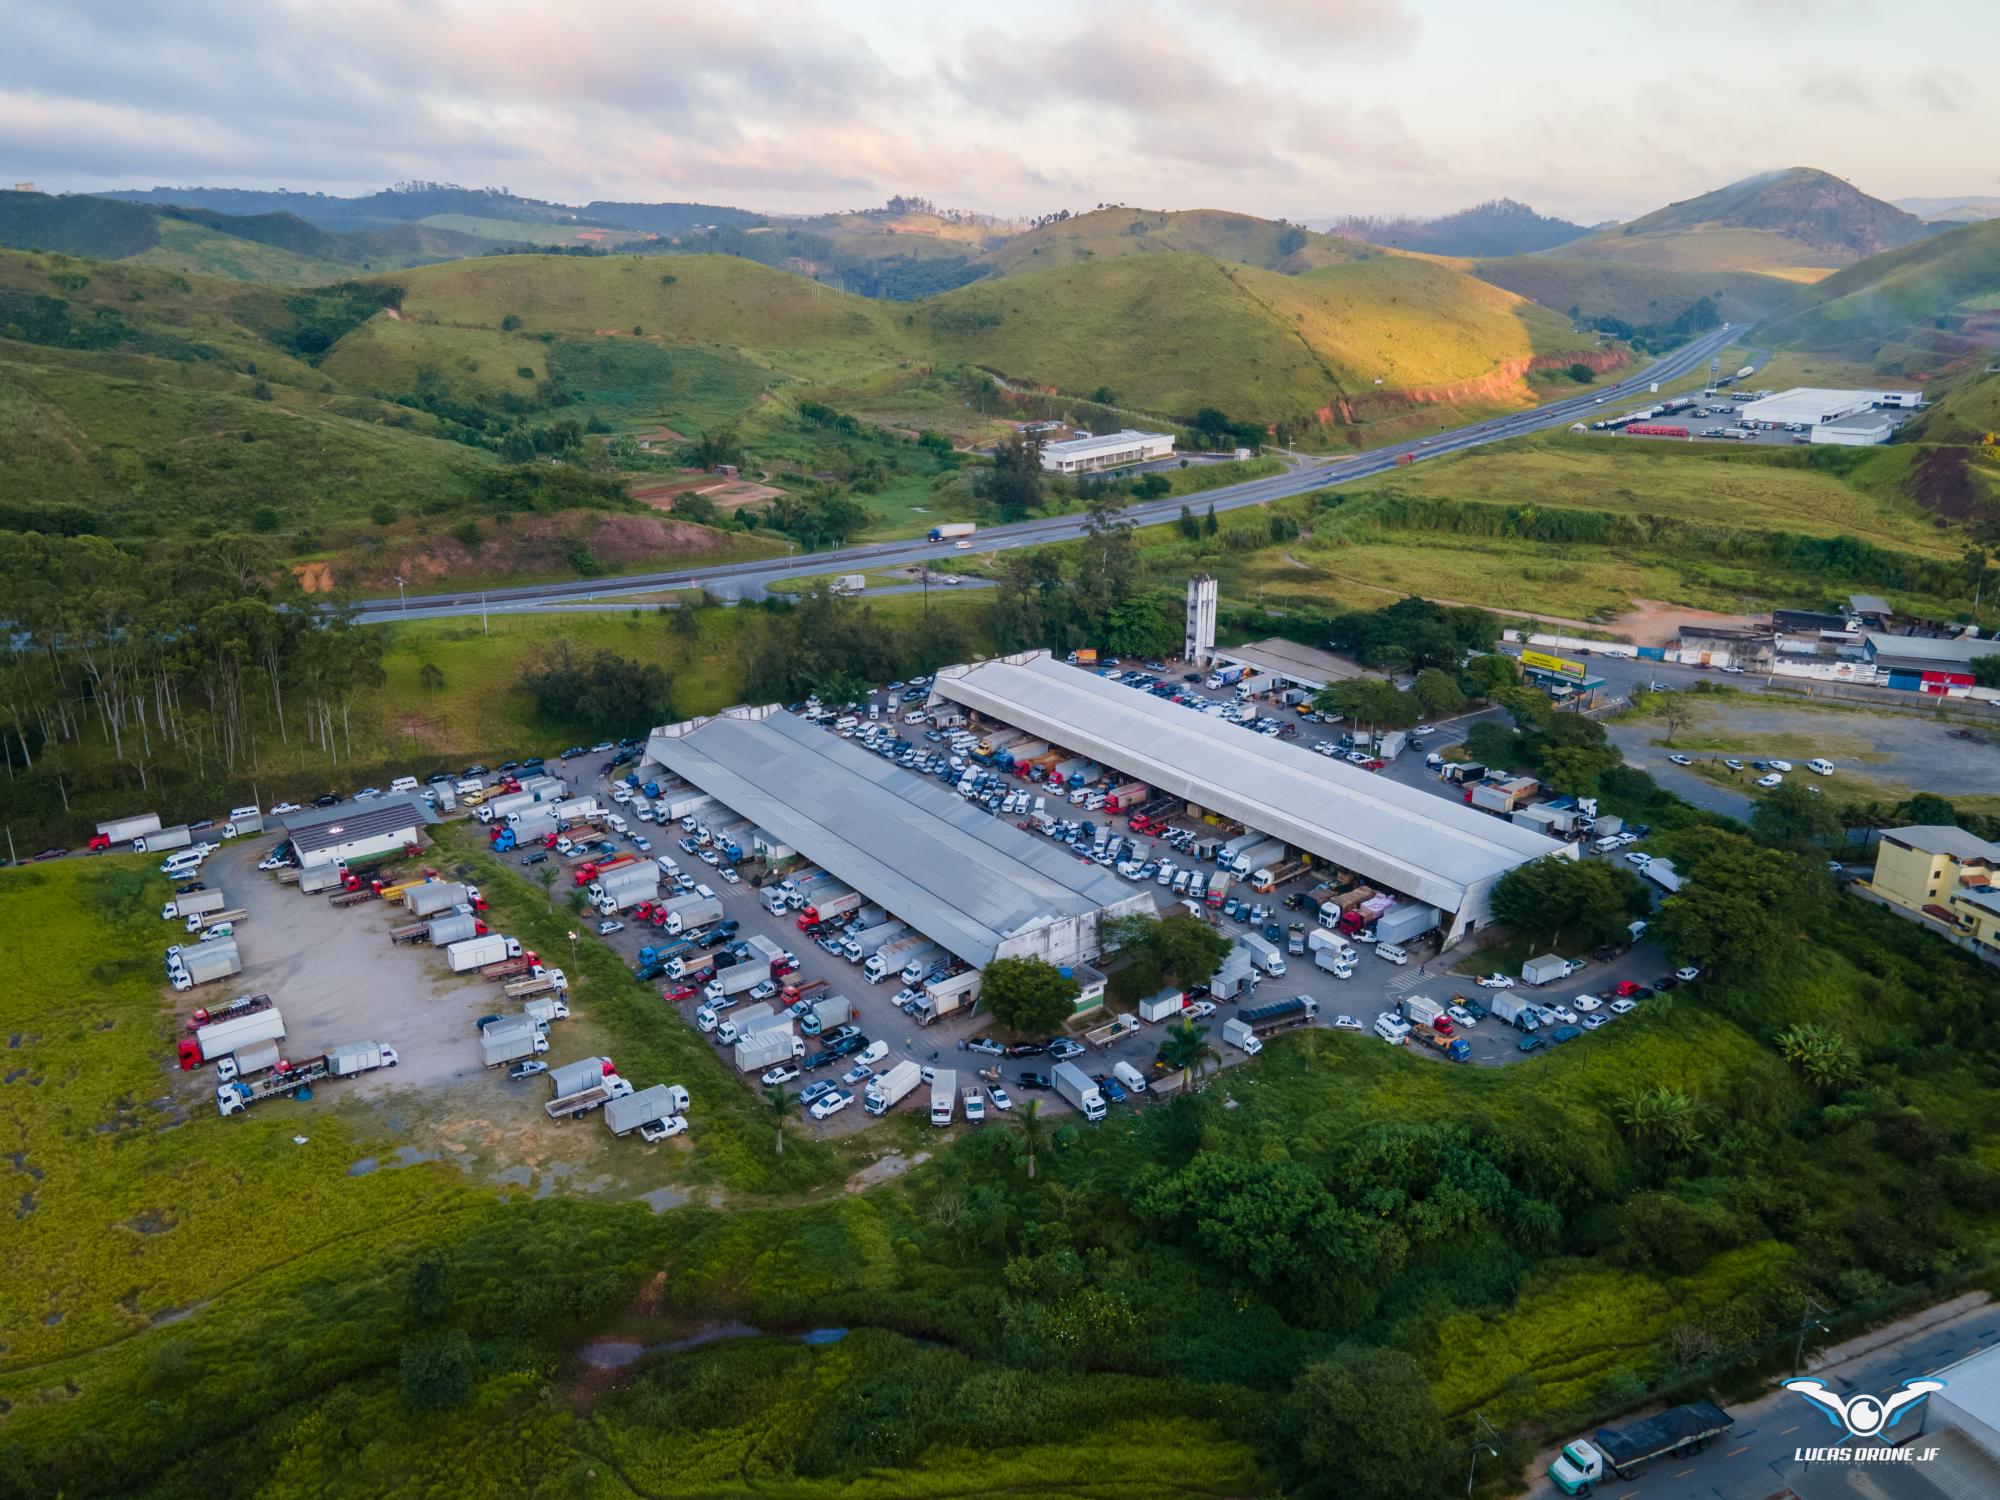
{"x":739,"y":578}
{"x":1752,"y":1464}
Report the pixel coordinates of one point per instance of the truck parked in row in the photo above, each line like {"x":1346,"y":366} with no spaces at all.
{"x":298,"y":1078}
{"x":944,"y":1095}
{"x":1079,"y":1089}
{"x":511,"y":1039}
{"x":435,"y":896}
{"x":943,"y":996}
{"x":225,"y":919}
{"x":125,"y":830}
{"x":203,"y":963}
{"x":244,"y":1023}
{"x":885,"y":1092}
{"x":887,"y":961}
{"x":1280,"y":1015}
{"x":767,"y":1048}
{"x":193,"y":903}
{"x":663,"y":1105}
{"x":580,"y":1087}
{"x":177,"y":837}
{"x":478,"y":952}
{"x":864,"y":942}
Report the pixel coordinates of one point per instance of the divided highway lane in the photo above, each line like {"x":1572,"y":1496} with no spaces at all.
{"x":739,"y":577}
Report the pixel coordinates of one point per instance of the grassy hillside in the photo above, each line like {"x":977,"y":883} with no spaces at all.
{"x":1114,"y":233}
{"x":198,"y":250}
{"x":1796,"y":219}
{"x":1910,"y":309}
{"x":1636,"y":294}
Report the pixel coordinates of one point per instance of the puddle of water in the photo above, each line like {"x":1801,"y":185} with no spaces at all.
{"x":363,"y":1167}
{"x":612,"y":1354}
{"x":516,"y":1176}
{"x":409,"y":1156}
{"x":823,"y":1336}
{"x":615,"y":1354}
{"x":660,"y":1199}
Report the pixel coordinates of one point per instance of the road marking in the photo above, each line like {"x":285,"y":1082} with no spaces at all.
{"x":1789,"y":1430}
{"x":1731,"y":1454}
{"x":1684,"y":1473}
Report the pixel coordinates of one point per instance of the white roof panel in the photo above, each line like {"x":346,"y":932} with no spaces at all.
{"x":1411,"y":840}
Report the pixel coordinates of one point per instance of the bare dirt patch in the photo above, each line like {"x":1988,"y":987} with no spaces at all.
{"x":724,"y":494}
{"x":882,"y":1169}
{"x":1650,"y":622}
{"x":525,"y":545}
{"x":314,"y":577}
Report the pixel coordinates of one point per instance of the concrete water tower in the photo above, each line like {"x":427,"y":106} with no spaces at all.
{"x":1200,"y":644}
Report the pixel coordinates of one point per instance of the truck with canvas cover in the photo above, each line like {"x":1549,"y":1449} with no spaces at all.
{"x":1678,"y":1433}
{"x":644,"y":1107}
{"x":1280,"y":1015}
{"x":889,"y":1089}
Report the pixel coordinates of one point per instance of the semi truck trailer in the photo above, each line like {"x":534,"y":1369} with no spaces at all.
{"x":124,"y":830}
{"x":297,"y":1078}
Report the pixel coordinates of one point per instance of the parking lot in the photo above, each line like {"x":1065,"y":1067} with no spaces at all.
{"x":1376,"y":985}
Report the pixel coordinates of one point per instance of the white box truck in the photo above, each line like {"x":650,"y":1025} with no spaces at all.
{"x":1076,"y":1086}
{"x":1239,"y":1034}
{"x":660,"y":1102}
{"x":887,"y":961}
{"x":476,"y":953}
{"x":944,"y":1095}
{"x":761,"y":1050}
{"x":1164,"y":1006}
{"x":886,"y":1092}
{"x":943,"y":996}
{"x":192,"y":904}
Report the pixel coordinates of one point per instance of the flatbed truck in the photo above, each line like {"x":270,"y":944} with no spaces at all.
{"x":576,"y":1105}
{"x":298,"y":1078}
{"x":1678,"y":1432}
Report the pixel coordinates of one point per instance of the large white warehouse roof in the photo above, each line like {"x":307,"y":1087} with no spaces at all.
{"x":1410,"y":840}
{"x":971,"y":882}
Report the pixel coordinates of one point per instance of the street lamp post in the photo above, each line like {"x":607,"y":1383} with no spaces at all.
{"x":405,"y":598}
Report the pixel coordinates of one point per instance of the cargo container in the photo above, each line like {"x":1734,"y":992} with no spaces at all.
{"x":1263,"y":953}
{"x":1406,"y":920}
{"x":124,"y":830}
{"x":545,"y":1009}
{"x":432,"y":897}
{"x":660,"y":1102}
{"x":734,"y":981}
{"x":884,"y":1093}
{"x":1335,"y":961}
{"x":748,"y":1022}
{"x":767,"y":1048}
{"x":1076,"y":1086}
{"x":952,"y":531}
{"x":763,"y":950}
{"x":478,"y":952}
{"x":1164,"y":1006}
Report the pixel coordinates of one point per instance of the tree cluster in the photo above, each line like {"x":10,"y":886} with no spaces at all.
{"x":606,"y":694}
{"x":1583,"y":902}
{"x":1153,"y":952}
{"x":837,"y":647}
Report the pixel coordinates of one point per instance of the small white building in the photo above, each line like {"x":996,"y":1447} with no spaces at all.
{"x":1089,"y":455}
{"x":1862,"y":430}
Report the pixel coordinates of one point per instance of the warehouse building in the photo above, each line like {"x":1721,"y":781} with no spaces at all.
{"x":1810,"y":406}
{"x":1089,"y":455}
{"x":973,"y":884}
{"x":1927,"y":664}
{"x":357,"y":830}
{"x":1301,"y":666}
{"x":1401,"y":838}
{"x":1865,"y":429}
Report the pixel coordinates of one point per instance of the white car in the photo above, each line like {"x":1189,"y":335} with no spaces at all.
{"x":1587,"y":1003}
{"x":1347,"y":1023}
{"x":655,"y":1131}
{"x":1626,"y":838}
{"x":1200,"y":1010}
{"x":1769,"y":779}
{"x":908,"y":995}
{"x":729,"y":876}
{"x":1000,"y":1097}
{"x":782,"y":1073}
{"x":1563,"y":1014}
{"x":709,"y":857}
{"x":609,"y":926}
{"x":764,"y":989}
{"x":1681,"y":760}
{"x":1634,"y":857}
{"x":1687,"y":975}
{"x":281,"y":808}
{"x":1460,"y":1016}
{"x":1495,"y":981}
{"x":859,"y":1073}
{"x":1591,"y":1023}
{"x":1623,"y":1007}
{"x":1781,"y":765}
{"x":832,"y":1104}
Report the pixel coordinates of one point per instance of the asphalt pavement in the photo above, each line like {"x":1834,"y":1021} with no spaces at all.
{"x":735,"y":578}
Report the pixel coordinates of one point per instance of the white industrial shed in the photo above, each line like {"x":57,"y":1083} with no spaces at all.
{"x":1113,"y":450}
{"x":972,"y":883}
{"x":1812,"y":406}
{"x":1414,"y":842}
{"x":357,"y":830}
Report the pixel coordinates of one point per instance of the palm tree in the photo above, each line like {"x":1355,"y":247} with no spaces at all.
{"x":547,"y":875}
{"x":1666,"y":1119}
{"x":1031,"y":1133}
{"x":1824,"y":1057}
{"x":783,"y":1105}
{"x":1187,"y":1048}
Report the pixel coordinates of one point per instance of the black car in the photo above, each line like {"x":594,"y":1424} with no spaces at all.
{"x":475,"y":770}
{"x":1666,"y":982}
{"x":437,"y":776}
{"x":190,"y":888}
{"x":1027,"y":1049}
{"x":533,"y":763}
{"x":1605,"y":952}
{"x":536,"y":858}
{"x":571,"y":753}
{"x":509,"y":765}
{"x":1036,"y":1081}
{"x":606,"y":769}
{"x":51,"y":853}
{"x":327,"y":799}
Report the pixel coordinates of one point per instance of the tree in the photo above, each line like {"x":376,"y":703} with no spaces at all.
{"x":1369,"y":702}
{"x":1190,"y":527}
{"x":1487,"y":673}
{"x":1662,"y":1119}
{"x":1528,"y":707}
{"x":1438,"y":694}
{"x":1367,"y":1427}
{"x":1187,"y":1048}
{"x":1674,"y":712}
{"x":1156,"y":951}
{"x":1013,"y":486}
{"x":1209,"y":527}
{"x":1587,"y":899}
{"x":782,"y":1106}
{"x":547,"y":876}
{"x":1928,"y":810}
{"x":720,"y":445}
{"x":1581,"y":373}
{"x":608,"y":693}
{"x":1031,"y":1133}
{"x":1824,"y":1057}
{"x":431,"y":676}
{"x":1791,"y":818}
{"x":437,"y":1372}
{"x":1986,"y":670}
{"x":1739,"y":906}
{"x":1025,"y":994}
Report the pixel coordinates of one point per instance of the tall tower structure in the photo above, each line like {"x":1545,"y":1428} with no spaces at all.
{"x":1200,"y":645}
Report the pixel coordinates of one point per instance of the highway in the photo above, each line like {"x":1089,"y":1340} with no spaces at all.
{"x":736,"y":579}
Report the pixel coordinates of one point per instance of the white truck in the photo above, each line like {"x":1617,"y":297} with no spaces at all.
{"x":431,"y":897}
{"x":510,"y":1040}
{"x":193,"y":904}
{"x":917,"y":966}
{"x":476,"y":953}
{"x":247,"y":1061}
{"x":229,"y":1032}
{"x":1076,"y":1086}
{"x":943,"y":996}
{"x":868,"y":941}
{"x":887,"y":961}
{"x":580,"y":1102}
{"x":891,"y":1088}
{"x":690,"y":912}
{"x":748,"y":1022}
{"x":1264,"y":953}
{"x":1267,"y":855}
{"x":944,"y":1095}
{"x":544,"y":1009}
{"x":663,"y":1101}
{"x":161,"y":839}
{"x":734,"y":981}
{"x":1241,"y":1035}
{"x":203,"y":963}
{"x":759,"y":1051}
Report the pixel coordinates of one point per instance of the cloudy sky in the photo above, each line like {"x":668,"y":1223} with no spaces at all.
{"x":1299,"y":108}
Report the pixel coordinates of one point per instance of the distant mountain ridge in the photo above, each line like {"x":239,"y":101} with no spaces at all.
{"x":1500,"y":227}
{"x":1967,"y":209}
{"x":408,"y":202}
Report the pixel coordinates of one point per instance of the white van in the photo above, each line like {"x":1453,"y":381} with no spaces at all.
{"x":400,"y":784}
{"x":1391,"y":953}
{"x":240,"y":814}
{"x":1609,"y":844}
{"x":181,"y":862}
{"x":616,"y":824}
{"x":1392,"y":1030}
{"x":1131,"y":1077}
{"x":704,"y":892}
{"x":1820,"y":767}
{"x":468,"y":786}
{"x":874,"y":712}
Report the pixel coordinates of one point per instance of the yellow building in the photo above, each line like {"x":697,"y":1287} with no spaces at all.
{"x":1943,"y":873}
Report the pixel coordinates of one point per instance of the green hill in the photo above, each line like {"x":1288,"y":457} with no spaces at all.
{"x":1115,"y":233}
{"x":1636,"y":294}
{"x":1935,"y":301}
{"x":1799,"y":219}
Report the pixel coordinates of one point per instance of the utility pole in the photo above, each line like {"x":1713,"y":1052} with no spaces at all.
{"x":1807,"y":1322}
{"x":484,"y":628}
{"x":1482,"y":1432}
{"x":405,"y":598}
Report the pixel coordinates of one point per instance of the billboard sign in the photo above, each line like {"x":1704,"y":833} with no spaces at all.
{"x":1541,"y":661}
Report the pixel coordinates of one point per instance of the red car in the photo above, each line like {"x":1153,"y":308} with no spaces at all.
{"x":1627,"y":988}
{"x":678,"y":992}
